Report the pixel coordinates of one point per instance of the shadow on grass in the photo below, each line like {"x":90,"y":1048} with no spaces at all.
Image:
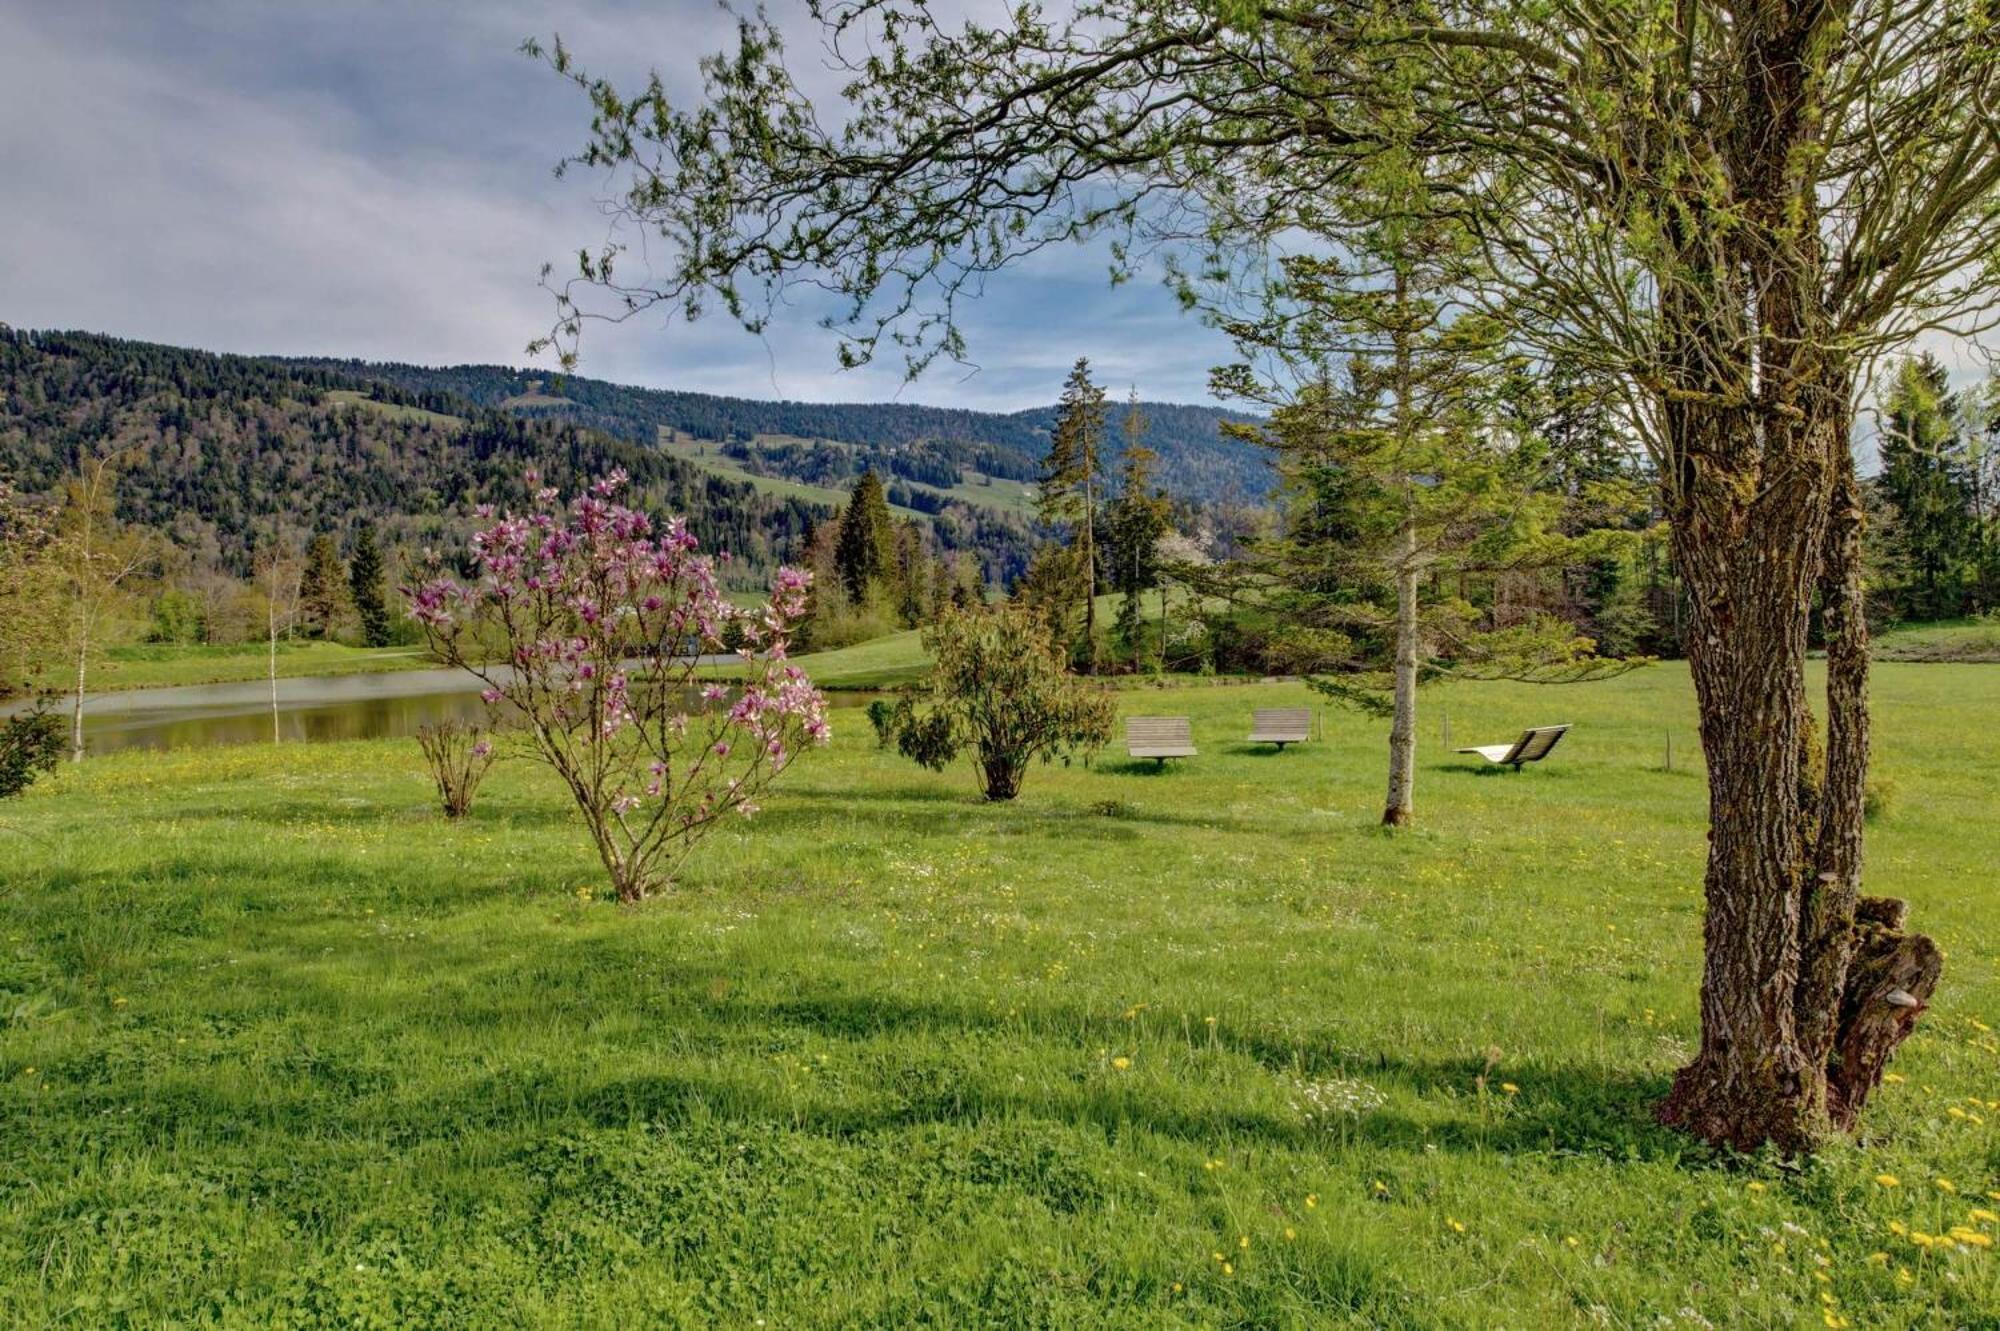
{"x":1143,"y":766}
{"x":1533,"y":771}
{"x":908,"y":1062}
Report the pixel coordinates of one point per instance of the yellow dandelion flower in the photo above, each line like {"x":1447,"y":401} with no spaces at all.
{"x":1898,"y":1228}
{"x":1229,"y":1268}
{"x":1510,"y":1088}
{"x":1888,"y":1180}
{"x":1380,"y":1187}
{"x":1243,"y":1241}
{"x":1457,"y":1226}
{"x":1177,"y":1287}
{"x":1312,"y":1200}
{"x":1985,"y":1217}
{"x":1756,"y":1186}
{"x":1217,"y":1256}
{"x":1878,"y":1259}
{"x":1944,"y":1185}
{"x":1953,"y":1111}
{"x":1290,"y":1233}
{"x":1892,"y":1078}
{"x":1571,"y":1240}
{"x":1121,"y":1062}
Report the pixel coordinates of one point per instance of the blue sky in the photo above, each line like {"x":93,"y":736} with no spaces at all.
{"x":374,"y":179}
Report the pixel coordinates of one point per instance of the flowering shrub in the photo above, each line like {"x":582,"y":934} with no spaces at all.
{"x":458,"y":756}
{"x":598,"y":618}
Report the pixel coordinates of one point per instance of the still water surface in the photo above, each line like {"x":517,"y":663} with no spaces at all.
{"x":324,"y":707}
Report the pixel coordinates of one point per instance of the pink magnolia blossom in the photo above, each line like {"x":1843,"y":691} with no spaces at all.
{"x":599,"y":615}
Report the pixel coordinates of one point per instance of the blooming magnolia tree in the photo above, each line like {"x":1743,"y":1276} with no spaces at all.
{"x":586,"y":624}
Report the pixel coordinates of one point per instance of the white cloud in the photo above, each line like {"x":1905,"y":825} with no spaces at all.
{"x":372,"y":180}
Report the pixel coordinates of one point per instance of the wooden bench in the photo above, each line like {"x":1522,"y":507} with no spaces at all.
{"x":1159,"y":738}
{"x":1533,"y":746}
{"x":1281,"y":726}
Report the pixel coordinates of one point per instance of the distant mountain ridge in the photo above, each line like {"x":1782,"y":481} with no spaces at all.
{"x":221,"y":451}
{"x":1197,"y":462}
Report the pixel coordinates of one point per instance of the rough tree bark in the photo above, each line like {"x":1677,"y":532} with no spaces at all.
{"x":1803,"y":997}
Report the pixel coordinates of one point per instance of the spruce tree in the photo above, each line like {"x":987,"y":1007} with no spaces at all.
{"x":1133,"y":526}
{"x":365,"y":581}
{"x":1071,"y":487}
{"x":865,"y":548}
{"x":1926,"y":477}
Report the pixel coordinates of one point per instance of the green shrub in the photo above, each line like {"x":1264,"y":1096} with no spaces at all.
{"x":999,"y":689}
{"x":31,"y":743}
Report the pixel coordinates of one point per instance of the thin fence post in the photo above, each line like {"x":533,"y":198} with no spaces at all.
{"x":1670,"y":749}
{"x":1446,"y":712}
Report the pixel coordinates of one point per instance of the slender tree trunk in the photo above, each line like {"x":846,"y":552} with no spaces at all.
{"x":1401,"y":805}
{"x":271,"y":624}
{"x":76,"y":707}
{"x":1089,"y":545}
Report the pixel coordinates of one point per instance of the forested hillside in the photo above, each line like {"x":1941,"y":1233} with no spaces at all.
{"x":219,"y":452}
{"x":931,"y":446}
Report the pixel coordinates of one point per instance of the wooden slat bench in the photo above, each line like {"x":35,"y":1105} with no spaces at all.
{"x":1159,"y":738}
{"x":1533,"y":746}
{"x":1281,"y":726}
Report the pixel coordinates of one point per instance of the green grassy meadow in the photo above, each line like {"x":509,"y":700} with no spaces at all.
{"x":1975,"y":641}
{"x":1201,"y":1047}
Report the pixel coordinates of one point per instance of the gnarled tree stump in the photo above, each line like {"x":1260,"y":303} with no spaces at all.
{"x":1889,"y":983}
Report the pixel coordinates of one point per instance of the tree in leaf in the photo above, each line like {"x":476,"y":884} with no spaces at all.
{"x":1000,"y":692}
{"x":322,"y":587}
{"x":368,"y":586}
{"x":93,"y":556}
{"x":30,"y":591}
{"x":1403,"y":476}
{"x":1729,"y":210}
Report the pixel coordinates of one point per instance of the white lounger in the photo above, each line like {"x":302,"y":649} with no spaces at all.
{"x":1533,"y":746}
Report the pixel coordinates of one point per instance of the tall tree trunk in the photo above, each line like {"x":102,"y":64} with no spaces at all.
{"x":1400,"y":807}
{"x":1089,"y":547}
{"x":1750,"y":569}
{"x":1807,"y":987}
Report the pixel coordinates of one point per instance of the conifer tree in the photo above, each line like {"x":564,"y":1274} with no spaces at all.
{"x":1927,"y":477}
{"x":1071,"y":488}
{"x":365,"y":581}
{"x":1134,"y":524}
{"x":865,"y":547}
